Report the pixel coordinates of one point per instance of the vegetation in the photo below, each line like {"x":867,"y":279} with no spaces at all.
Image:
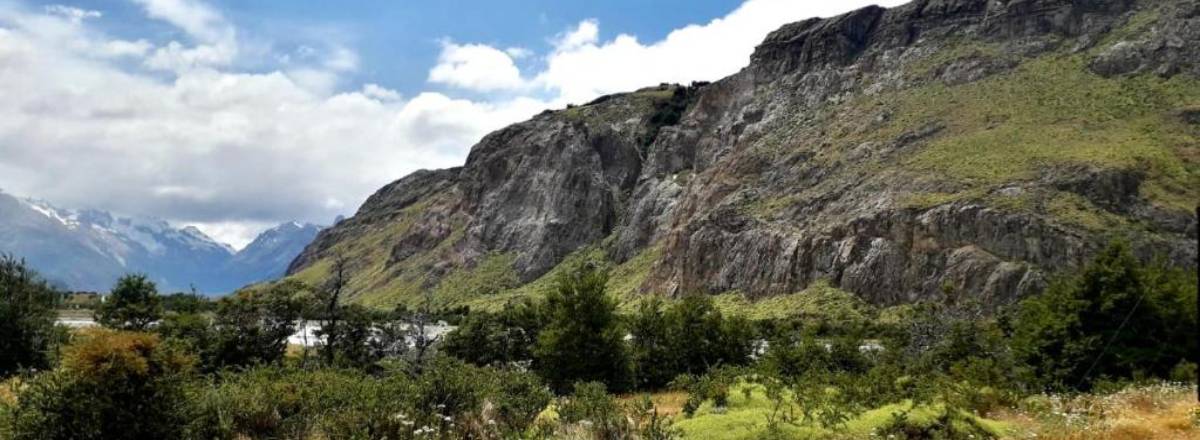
{"x":582,"y":339}
{"x":133,"y":304}
{"x":27,"y":331}
{"x":548,"y":369}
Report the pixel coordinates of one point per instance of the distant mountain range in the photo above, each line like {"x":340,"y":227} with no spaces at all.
{"x":89,"y":249}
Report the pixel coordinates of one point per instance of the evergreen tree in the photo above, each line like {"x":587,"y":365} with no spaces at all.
{"x":583,"y":340}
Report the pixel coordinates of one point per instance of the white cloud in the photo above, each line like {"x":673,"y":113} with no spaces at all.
{"x":199,"y":20}
{"x":213,"y":147}
{"x":215,"y":37}
{"x":71,"y":13}
{"x":379,"y":92}
{"x":476,"y":67}
{"x":123,"y":48}
{"x":582,"y":67}
{"x":586,"y":33}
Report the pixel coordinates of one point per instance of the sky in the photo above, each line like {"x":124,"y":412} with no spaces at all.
{"x":234,"y":116}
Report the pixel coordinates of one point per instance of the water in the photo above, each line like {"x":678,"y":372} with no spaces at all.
{"x":305,"y":334}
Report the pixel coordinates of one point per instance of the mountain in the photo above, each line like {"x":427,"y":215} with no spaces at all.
{"x":90,"y":249}
{"x":268,"y":256}
{"x":973,"y":145}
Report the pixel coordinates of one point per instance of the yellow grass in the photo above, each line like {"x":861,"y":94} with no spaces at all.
{"x":1164,"y":411}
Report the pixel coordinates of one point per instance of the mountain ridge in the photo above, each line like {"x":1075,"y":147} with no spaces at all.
{"x":950,"y":145}
{"x":88,"y":249}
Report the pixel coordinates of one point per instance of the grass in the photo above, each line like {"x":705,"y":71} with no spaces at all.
{"x":1161,"y":411}
{"x":1051,"y":111}
{"x":819,"y":299}
{"x":745,"y":418}
{"x":624,"y":280}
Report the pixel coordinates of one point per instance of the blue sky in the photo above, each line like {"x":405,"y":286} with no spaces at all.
{"x":233,"y":116}
{"x":398,"y":41}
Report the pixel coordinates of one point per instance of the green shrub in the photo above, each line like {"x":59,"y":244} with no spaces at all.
{"x":949,"y":423}
{"x":591,"y":406}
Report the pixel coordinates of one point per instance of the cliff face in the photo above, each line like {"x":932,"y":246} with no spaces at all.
{"x":977,"y":144}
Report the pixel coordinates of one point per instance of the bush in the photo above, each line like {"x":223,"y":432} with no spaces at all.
{"x":133,"y":304}
{"x":27,"y":332}
{"x":276,"y":402}
{"x":593,"y":408}
{"x":949,"y":423}
{"x":110,"y":385}
{"x":450,"y":400}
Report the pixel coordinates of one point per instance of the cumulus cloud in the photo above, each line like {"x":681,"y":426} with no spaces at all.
{"x":476,"y":67}
{"x":177,"y":130}
{"x":582,"y":67}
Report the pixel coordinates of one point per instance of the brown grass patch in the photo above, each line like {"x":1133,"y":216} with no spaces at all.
{"x":668,"y":403}
{"x":1164,"y":411}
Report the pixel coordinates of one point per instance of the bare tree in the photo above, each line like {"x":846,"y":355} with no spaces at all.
{"x":332,"y":291}
{"x":419,"y":323}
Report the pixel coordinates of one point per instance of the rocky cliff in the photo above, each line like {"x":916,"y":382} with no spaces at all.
{"x":976,"y":144}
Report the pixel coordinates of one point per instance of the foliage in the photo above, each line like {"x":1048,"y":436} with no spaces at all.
{"x":111,"y":385}
{"x":949,"y":423}
{"x":582,"y":339}
{"x":27,"y":332}
{"x":591,"y":405}
{"x":1117,"y":318}
{"x":186,"y":303}
{"x":252,"y":327}
{"x":714,"y":386}
{"x":133,"y":304}
{"x":503,"y":338}
{"x":689,"y":337}
{"x":449,"y":400}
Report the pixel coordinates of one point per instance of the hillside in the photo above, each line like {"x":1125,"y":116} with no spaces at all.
{"x":89,"y":249}
{"x":891,"y":153}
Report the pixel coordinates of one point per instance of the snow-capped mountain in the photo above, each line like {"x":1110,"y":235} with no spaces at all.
{"x":268,"y":256}
{"x":90,"y":249}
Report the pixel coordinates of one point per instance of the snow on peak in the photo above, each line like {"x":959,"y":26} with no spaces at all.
{"x":66,"y":217}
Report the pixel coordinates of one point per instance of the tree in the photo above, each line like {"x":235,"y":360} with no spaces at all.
{"x":582,"y":340}
{"x":27,"y":329}
{"x":252,"y":327}
{"x":133,"y":304}
{"x":689,"y":337}
{"x":1117,"y":318}
{"x":330,"y":298}
{"x":502,"y":338}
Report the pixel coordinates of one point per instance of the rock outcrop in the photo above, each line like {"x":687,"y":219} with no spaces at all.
{"x":976,"y":144}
